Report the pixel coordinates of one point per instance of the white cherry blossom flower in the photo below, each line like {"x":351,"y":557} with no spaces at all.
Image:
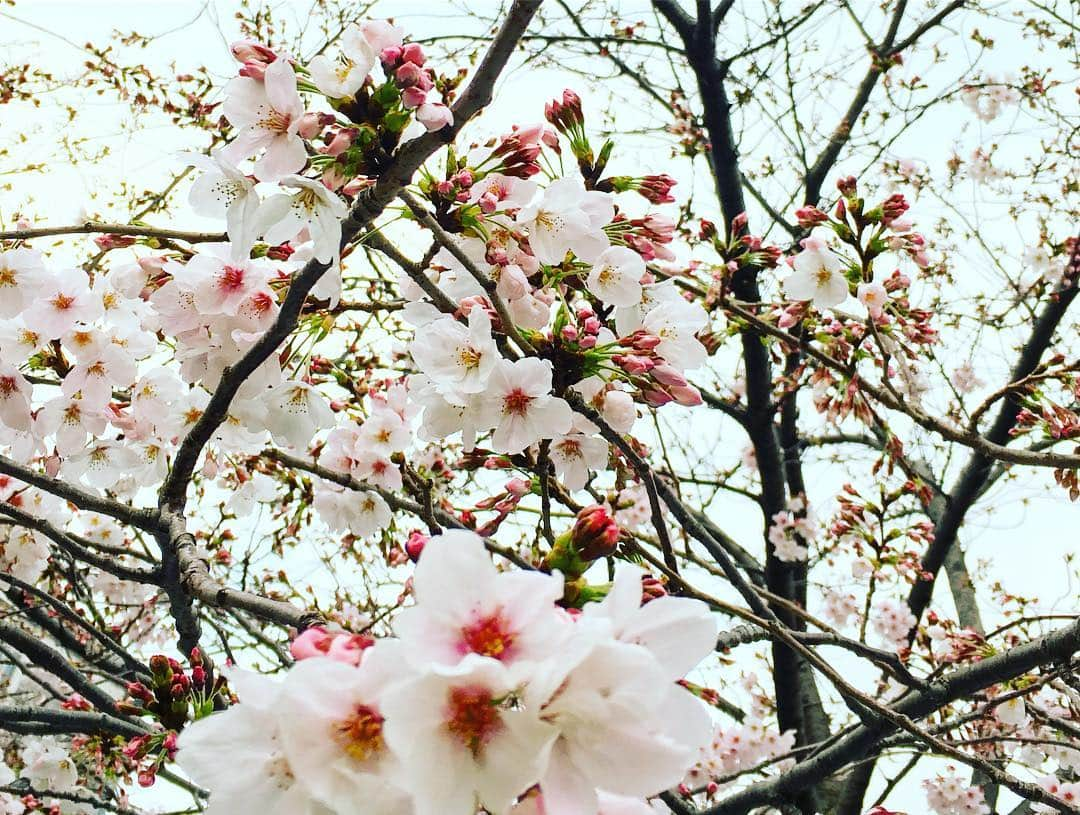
{"x":676,"y":323}
{"x":341,"y":78}
{"x":19,"y":342}
{"x":362,"y":513}
{"x":21,"y":274}
{"x":678,"y":631}
{"x":266,"y":115}
{"x":70,"y":419}
{"x":464,"y":744}
{"x":447,"y":412}
{"x":567,"y":217}
{"x":222,"y":191}
{"x":616,"y":276}
{"x":464,"y":605}
{"x":506,"y":191}
{"x":47,"y":765}
{"x":611,"y":693}
{"x":455,"y":355}
{"x":219,"y":283}
{"x":63,"y":299}
{"x":616,"y":406}
{"x":297,"y":411}
{"x":818,"y":276}
{"x":107,"y":368}
{"x":519,"y":405}
{"x":312,"y":207}
{"x":578,"y":452}
{"x":23,"y":553}
{"x":102,"y":465}
{"x":874,"y":297}
{"x":629,"y":318}
{"x":239,"y":754}
{"x":15,"y":395}
{"x":384,"y":432}
{"x":331,"y":727}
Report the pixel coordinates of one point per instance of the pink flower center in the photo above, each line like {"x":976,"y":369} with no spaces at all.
{"x":231,"y":279}
{"x":516,"y":402}
{"x":489,"y":636}
{"x":361,"y":733}
{"x":472,"y":718}
{"x":7,"y":386}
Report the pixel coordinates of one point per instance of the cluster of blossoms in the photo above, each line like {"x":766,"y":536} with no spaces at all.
{"x":737,"y":749}
{"x":987,"y":98}
{"x":947,"y":794}
{"x":791,"y":530}
{"x":568,"y":265}
{"x":826,"y":278}
{"x":47,"y":765}
{"x":491,"y":694}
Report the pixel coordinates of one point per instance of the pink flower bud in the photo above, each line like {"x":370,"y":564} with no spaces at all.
{"x":518,"y":487}
{"x":413,"y":97}
{"x":415,"y":544}
{"x":434,"y":116}
{"x":310,"y":126}
{"x":633,"y":364}
{"x":686,"y":395}
{"x":667,"y":375}
{"x":391,"y":55}
{"x":107,"y":242}
{"x":250,"y":51}
{"x":253,"y":70}
{"x":341,"y":142}
{"x":151,"y":264}
{"x":595,"y":533}
{"x":809,"y":217}
{"x":408,"y":74}
{"x":414,"y":53}
{"x":656,"y":398}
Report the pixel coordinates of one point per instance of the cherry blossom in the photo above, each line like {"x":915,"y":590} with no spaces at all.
{"x":240,"y":755}
{"x":21,"y":274}
{"x":222,"y":191}
{"x":62,"y":299}
{"x":459,"y":357}
{"x":463,"y":740}
{"x":331,"y":729}
{"x":567,"y":217}
{"x":519,"y":405}
{"x":616,"y":276}
{"x":266,"y":115}
{"x":15,"y":393}
{"x":576,"y":453}
{"x":341,"y":78}
{"x":296,"y":412}
{"x":819,"y":275}
{"x":314,"y":208}
{"x":465,"y":606}
{"x":676,"y":323}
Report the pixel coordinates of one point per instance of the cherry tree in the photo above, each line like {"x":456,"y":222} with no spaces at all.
{"x":389,"y":458}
